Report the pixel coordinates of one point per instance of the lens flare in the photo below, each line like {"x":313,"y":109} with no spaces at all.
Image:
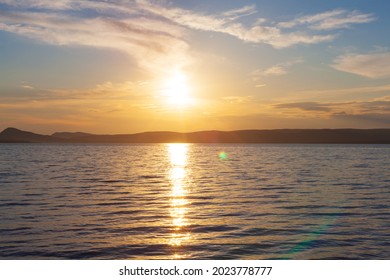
{"x":223,"y":155}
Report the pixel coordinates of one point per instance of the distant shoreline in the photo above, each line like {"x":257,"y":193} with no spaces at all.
{"x":276,"y":136}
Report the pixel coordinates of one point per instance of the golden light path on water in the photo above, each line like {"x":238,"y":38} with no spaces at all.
{"x":178,"y":197}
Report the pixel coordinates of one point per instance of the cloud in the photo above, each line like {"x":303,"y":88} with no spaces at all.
{"x":154,"y":43}
{"x":154,"y":34}
{"x":257,"y":33}
{"x":276,"y":70}
{"x":379,"y":120}
{"x":98,"y":105}
{"x":240,"y":12}
{"x":350,"y":93}
{"x":374,"y":65}
{"x":335,"y":19}
{"x":237,"y":99}
{"x":260,"y":21}
{"x":47,"y":4}
{"x":107,"y":92}
{"x":371,"y":106}
{"x":25,"y":85}
{"x":371,"y":113}
{"x":305,"y":106}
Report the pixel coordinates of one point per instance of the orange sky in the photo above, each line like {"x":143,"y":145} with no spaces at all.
{"x":122,"y":68}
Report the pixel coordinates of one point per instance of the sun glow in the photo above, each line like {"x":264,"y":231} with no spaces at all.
{"x":176,"y":90}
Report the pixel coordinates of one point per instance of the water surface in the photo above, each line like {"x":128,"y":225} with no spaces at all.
{"x":193,"y":201}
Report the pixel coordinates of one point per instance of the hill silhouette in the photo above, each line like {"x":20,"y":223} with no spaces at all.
{"x":308,"y":136}
{"x":70,"y":135}
{"x":10,"y":135}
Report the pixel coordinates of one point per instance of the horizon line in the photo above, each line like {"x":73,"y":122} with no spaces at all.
{"x":196,"y":131}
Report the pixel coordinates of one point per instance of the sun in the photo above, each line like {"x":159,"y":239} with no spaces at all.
{"x":176,"y":90}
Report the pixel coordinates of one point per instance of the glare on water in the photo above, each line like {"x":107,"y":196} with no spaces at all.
{"x":178,"y":202}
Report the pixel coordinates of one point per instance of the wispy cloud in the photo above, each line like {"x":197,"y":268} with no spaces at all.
{"x":237,"y":99}
{"x":107,"y":92}
{"x":276,"y":70}
{"x":306,"y":106}
{"x":376,"y":106}
{"x":25,"y":85}
{"x":380,"y":120}
{"x":152,"y":42}
{"x":348,"y":93}
{"x":374,"y":65}
{"x":335,"y":19}
{"x":257,"y":33}
{"x":155,"y":34}
{"x":240,"y":12}
{"x":369,"y":113}
{"x":80,"y":107}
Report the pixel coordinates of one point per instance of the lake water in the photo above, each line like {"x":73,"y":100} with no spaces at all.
{"x":192,"y":201}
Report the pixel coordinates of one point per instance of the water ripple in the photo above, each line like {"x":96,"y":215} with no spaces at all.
{"x":184,"y":201}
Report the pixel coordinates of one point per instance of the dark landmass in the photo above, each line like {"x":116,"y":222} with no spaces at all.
{"x":13,"y":135}
{"x":70,"y":135}
{"x":308,"y":136}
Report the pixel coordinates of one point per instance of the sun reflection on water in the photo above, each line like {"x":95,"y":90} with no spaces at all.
{"x":178,"y":196}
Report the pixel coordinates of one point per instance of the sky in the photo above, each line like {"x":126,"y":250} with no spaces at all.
{"x":120,"y":66}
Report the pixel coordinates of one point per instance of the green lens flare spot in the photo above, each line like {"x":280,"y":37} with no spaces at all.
{"x":222,"y":155}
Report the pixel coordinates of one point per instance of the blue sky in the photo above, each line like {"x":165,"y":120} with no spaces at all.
{"x":128,"y":66}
